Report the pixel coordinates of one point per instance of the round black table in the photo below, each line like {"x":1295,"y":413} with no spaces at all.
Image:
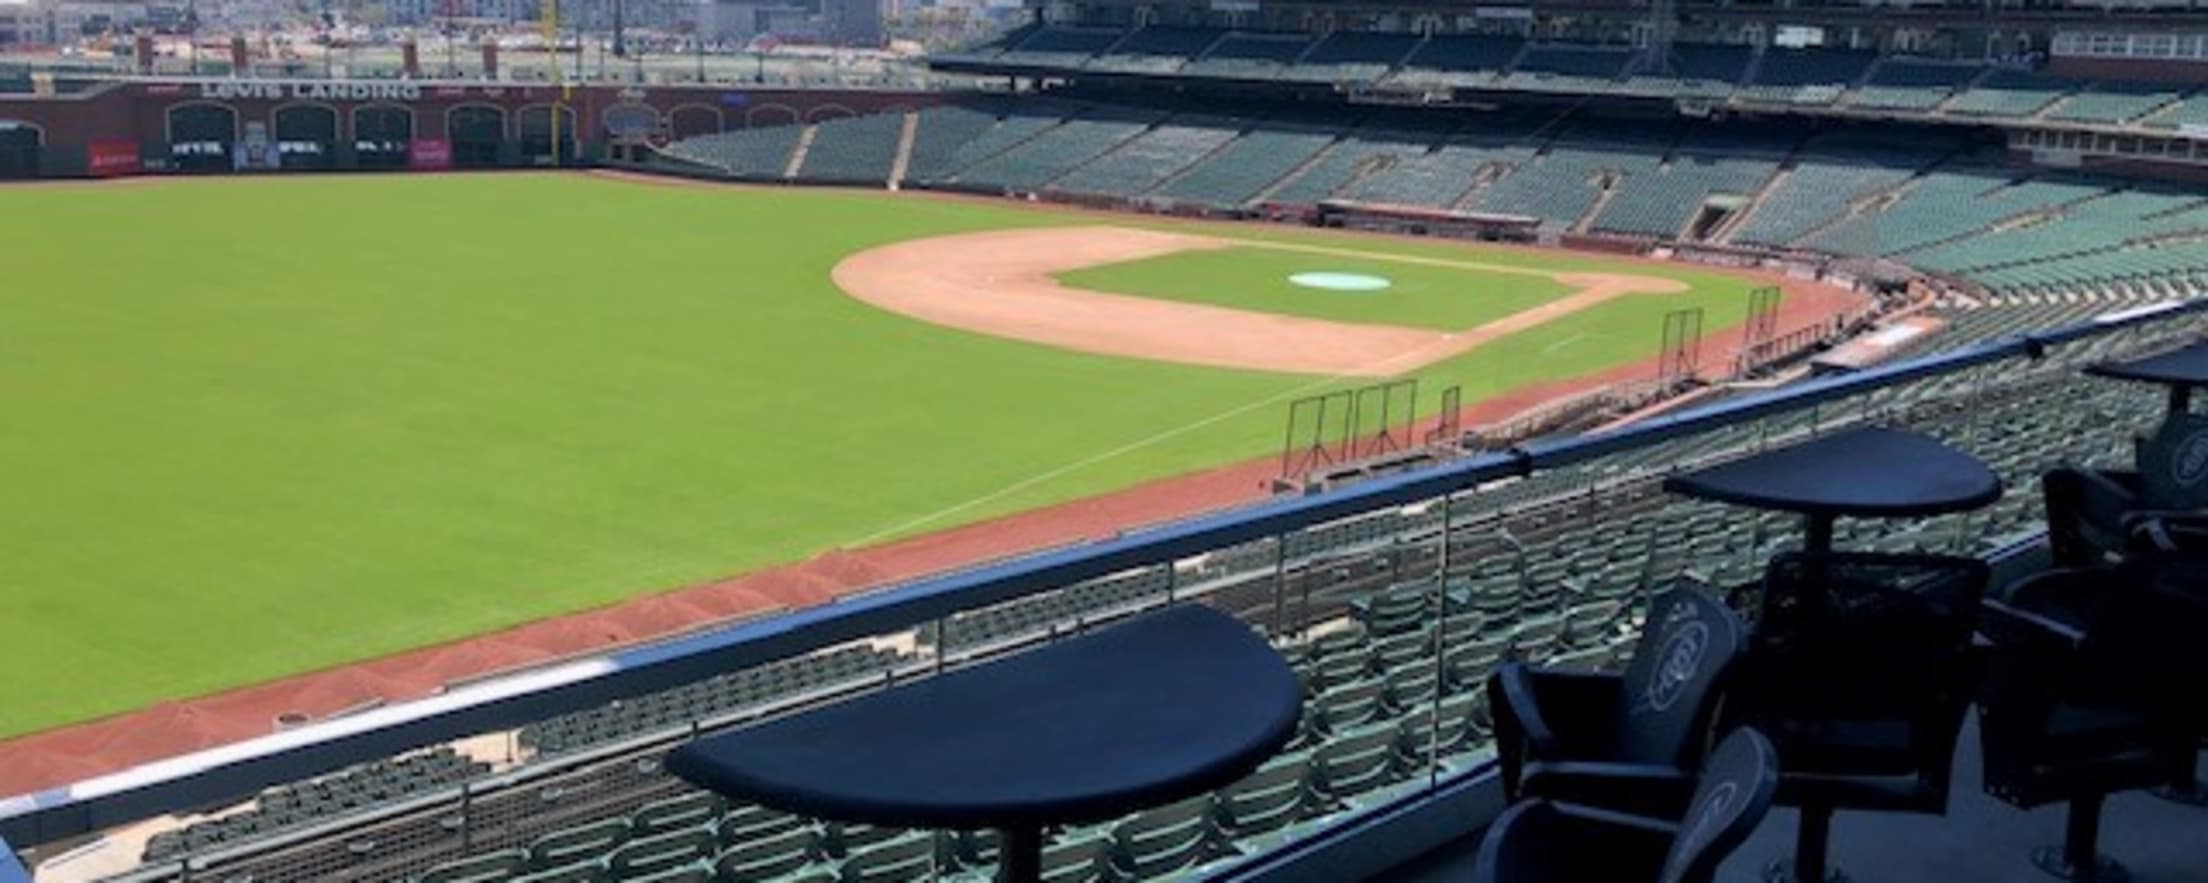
{"x":1876,"y":473}
{"x":2180,"y":369}
{"x":1135,"y":715}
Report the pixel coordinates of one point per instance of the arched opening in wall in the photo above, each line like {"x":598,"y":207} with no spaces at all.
{"x":477,"y":132}
{"x":692,"y":120}
{"x":201,"y":136}
{"x":306,"y":136}
{"x":536,"y":134}
{"x":383,"y":135}
{"x":630,"y":129}
{"x":20,"y":146}
{"x":828,"y":112}
{"x":770,"y":115}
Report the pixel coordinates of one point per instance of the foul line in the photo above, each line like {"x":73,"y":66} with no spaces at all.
{"x":1136,"y":445}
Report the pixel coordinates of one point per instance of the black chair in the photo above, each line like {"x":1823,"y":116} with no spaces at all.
{"x":1860,"y":671}
{"x":1538,"y":841}
{"x":2085,"y":696}
{"x":2088,"y":510}
{"x":1629,"y":742}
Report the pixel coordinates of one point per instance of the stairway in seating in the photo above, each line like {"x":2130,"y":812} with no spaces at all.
{"x":903,"y":160}
{"x":797,"y":155}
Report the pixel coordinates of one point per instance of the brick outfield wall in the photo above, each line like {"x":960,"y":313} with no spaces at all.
{"x":138,"y":113}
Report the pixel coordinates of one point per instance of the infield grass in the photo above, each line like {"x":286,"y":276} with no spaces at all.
{"x":1256,"y":277}
{"x":262,"y":426}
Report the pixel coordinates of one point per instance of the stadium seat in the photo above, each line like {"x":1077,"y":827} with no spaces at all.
{"x":2086,"y":694}
{"x":1629,"y":742}
{"x":1539,"y":841}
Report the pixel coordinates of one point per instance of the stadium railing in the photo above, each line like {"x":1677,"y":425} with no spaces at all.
{"x":1393,"y":598}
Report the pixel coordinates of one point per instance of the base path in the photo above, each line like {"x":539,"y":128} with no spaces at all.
{"x":1002,"y":283}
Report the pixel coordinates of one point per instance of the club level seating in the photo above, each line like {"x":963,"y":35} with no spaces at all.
{"x":1059,"y":46}
{"x":993,"y":48}
{"x":1550,"y":63}
{"x":1909,"y":84}
{"x":1156,"y":50}
{"x":1352,"y":56}
{"x":1699,"y":70}
{"x":1807,"y":76}
{"x":1251,"y":56}
{"x":2113,"y":103}
{"x":2192,"y":111}
{"x":1460,"y":59}
{"x":2010,"y":94}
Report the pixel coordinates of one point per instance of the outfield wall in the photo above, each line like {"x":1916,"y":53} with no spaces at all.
{"x":211,"y":124}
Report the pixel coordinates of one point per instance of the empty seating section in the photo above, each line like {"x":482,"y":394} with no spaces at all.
{"x":750,"y":688}
{"x":1156,"y":50}
{"x":941,"y":133}
{"x":1240,"y":172}
{"x":2009,"y":93}
{"x":1819,"y":190}
{"x":1352,"y":56}
{"x":1569,"y":67}
{"x":290,"y":806}
{"x":1055,"y":46}
{"x":1907,"y":84}
{"x":1363,"y":151}
{"x":1037,"y":162}
{"x":1460,"y":59}
{"x":2192,"y":111}
{"x":2092,"y":225}
{"x":854,"y":150}
{"x":1663,"y":202}
{"x":1807,"y":76}
{"x":1439,"y":179}
{"x":1016,"y":128}
{"x":1560,"y":186}
{"x":990,"y":49}
{"x":1251,"y":56}
{"x":755,"y":154}
{"x":2113,"y":103}
{"x":1152,"y":157}
{"x":1943,"y":205}
{"x":1699,"y":69}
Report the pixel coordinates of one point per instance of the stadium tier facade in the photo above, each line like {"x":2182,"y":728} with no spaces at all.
{"x":2016,"y":200}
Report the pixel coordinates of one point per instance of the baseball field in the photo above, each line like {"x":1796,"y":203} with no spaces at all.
{"x":258,"y":427}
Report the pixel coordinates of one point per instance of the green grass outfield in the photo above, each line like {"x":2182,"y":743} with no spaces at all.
{"x":1421,"y":295}
{"x":261,"y":426}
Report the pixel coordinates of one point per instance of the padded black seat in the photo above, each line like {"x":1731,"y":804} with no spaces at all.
{"x":1539,"y":841}
{"x":2089,"y":693}
{"x":1860,"y":671}
{"x":1629,"y":742}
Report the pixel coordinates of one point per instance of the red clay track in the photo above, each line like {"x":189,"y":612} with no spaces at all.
{"x":78,"y":752}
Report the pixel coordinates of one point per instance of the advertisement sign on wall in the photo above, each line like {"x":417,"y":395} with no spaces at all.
{"x":107,"y":159}
{"x":429,"y":153}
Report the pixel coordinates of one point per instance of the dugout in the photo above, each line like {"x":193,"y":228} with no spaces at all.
{"x":478,"y":134}
{"x":382,"y":136}
{"x":1423,"y":221}
{"x":201,"y":136}
{"x":21,"y":147}
{"x":306,"y":136}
